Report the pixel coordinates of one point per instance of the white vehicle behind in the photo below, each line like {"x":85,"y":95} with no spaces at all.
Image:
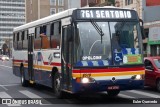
{"x":5,"y":57}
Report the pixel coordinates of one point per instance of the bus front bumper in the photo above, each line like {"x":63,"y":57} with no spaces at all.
{"x":105,"y":85}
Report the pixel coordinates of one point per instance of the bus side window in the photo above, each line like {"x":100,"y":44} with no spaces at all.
{"x":37,"y":41}
{"x":55,"y":35}
{"x":22,"y":39}
{"x":15,"y":41}
{"x":25,"y":41}
{"x":45,"y":34}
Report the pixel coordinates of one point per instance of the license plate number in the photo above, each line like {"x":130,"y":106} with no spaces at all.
{"x":113,"y":87}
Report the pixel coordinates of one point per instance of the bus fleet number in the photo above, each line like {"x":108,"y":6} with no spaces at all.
{"x":86,"y":75}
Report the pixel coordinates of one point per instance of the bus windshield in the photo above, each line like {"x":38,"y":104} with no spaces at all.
{"x":119,"y":44}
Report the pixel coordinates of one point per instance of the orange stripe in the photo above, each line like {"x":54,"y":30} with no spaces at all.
{"x":111,"y":73}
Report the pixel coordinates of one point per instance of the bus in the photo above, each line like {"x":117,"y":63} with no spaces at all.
{"x":90,"y":49}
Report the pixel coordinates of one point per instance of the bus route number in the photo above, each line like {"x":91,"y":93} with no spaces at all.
{"x":86,"y":75}
{"x":87,"y":14}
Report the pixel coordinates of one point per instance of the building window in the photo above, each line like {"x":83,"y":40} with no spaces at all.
{"x":128,"y":2}
{"x":60,"y":2}
{"x":60,"y":9}
{"x":52,"y":11}
{"x":53,"y":2}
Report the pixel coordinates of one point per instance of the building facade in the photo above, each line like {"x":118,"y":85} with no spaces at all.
{"x":148,"y":11}
{"x":37,"y":9}
{"x":12,"y":14}
{"x":97,"y":3}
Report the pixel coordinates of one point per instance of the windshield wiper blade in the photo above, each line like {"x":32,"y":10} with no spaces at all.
{"x":97,"y":27}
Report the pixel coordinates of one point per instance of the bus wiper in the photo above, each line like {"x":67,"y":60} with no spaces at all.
{"x":98,"y":28}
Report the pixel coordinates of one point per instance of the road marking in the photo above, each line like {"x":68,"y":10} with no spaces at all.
{"x":29,"y":94}
{"x":5,"y":95}
{"x":6,"y":66}
{"x":3,"y":87}
{"x":32,"y":95}
{"x":125,"y":96}
{"x":145,"y":94}
{"x":8,"y":85}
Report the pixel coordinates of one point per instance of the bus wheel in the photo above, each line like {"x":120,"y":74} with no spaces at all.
{"x":113,"y":93}
{"x":24,"y":82}
{"x":56,"y":86}
{"x":158,"y":85}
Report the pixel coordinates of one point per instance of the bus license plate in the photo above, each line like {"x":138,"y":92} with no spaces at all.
{"x":113,"y":87}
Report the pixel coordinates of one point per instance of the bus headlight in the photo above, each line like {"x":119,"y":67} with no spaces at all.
{"x":85,"y":80}
{"x":137,"y":77}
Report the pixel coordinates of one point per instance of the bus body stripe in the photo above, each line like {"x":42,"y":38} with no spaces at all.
{"x":107,"y":70}
{"x":42,"y":67}
{"x":45,"y":63}
{"x":140,"y":72}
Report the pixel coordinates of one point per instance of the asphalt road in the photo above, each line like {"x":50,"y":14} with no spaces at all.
{"x":10,"y":87}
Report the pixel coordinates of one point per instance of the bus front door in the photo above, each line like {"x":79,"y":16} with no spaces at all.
{"x":66,"y":58}
{"x":30,"y":57}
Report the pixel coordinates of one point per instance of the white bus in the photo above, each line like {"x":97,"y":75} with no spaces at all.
{"x":91,"y":49}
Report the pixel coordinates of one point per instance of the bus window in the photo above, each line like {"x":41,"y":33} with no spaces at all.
{"x":48,"y":30}
{"x":55,"y":35}
{"x":13,"y":37}
{"x":25,"y":41}
{"x":35,"y":36}
{"x":45,"y":34}
{"x":37,"y":41}
{"x":20,"y":41}
{"x":22,"y":35}
{"x":15,"y":41}
{"x":22,"y":38}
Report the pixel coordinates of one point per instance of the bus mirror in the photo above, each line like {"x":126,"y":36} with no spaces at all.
{"x":142,"y":32}
{"x":69,"y":33}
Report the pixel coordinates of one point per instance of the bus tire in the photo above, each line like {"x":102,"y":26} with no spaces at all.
{"x":158,"y":85}
{"x":56,"y":86}
{"x":24,"y":82}
{"x":113,"y":93}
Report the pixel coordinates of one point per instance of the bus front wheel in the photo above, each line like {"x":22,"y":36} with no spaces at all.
{"x":113,"y":93}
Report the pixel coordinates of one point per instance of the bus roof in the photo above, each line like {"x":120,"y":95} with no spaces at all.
{"x":58,"y":16}
{"x":45,"y":20}
{"x":109,"y":7}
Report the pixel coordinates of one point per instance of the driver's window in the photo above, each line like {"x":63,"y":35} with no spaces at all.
{"x":148,"y":64}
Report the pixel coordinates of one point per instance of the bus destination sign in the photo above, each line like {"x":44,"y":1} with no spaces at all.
{"x":105,"y":14}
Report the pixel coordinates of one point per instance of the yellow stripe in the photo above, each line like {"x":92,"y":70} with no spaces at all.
{"x":75,"y":75}
{"x":49,"y":68}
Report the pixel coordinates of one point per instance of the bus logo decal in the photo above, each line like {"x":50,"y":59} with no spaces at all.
{"x":50,"y":58}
